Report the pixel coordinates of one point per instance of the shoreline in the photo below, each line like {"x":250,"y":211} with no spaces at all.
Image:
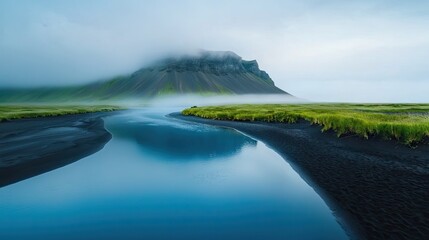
{"x":33,"y":146}
{"x":14,"y":112}
{"x":373,"y":193}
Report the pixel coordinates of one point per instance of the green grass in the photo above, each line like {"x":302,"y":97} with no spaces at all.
{"x":9,"y":112}
{"x":407,"y":123}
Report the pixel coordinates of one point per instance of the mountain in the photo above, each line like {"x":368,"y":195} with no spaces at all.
{"x":205,"y":73}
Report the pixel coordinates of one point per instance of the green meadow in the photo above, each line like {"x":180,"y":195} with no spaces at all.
{"x":407,"y":123}
{"x":9,"y":112}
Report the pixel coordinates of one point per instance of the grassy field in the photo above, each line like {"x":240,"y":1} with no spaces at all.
{"x":407,"y":123}
{"x":9,"y":112}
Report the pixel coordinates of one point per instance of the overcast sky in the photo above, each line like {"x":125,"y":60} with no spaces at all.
{"x":371,"y":50}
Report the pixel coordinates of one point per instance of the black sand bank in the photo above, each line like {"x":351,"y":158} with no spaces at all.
{"x":377,"y":189}
{"x":29,"y":147}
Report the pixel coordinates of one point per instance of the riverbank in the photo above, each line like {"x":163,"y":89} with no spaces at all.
{"x":13,"y":112}
{"x":406,"y":123}
{"x":29,"y":147}
{"x":377,"y":189}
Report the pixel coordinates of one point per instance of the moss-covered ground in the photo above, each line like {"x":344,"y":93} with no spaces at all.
{"x":9,"y":112}
{"x":407,"y":123}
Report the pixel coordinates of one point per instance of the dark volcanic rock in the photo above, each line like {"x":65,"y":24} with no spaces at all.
{"x":220,"y":63}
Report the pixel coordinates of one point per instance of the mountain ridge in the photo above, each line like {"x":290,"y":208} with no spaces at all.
{"x":207,"y":72}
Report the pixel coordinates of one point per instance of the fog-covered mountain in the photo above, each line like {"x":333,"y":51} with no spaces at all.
{"x":204,"y":73}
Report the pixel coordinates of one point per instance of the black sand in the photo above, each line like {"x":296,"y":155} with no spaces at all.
{"x":377,"y":189}
{"x":30,"y":147}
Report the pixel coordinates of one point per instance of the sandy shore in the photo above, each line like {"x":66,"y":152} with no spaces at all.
{"x":377,"y":189}
{"x":29,"y":147}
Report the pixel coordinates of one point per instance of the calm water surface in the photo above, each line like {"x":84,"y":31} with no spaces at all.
{"x":167,"y":179}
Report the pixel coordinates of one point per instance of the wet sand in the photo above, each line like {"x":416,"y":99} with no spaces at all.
{"x":377,"y":189}
{"x":30,"y":147}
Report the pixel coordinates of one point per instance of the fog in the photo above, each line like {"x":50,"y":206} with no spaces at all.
{"x":370,"y":51}
{"x":195,"y":100}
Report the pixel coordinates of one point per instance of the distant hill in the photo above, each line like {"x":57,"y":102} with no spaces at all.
{"x":205,"y":73}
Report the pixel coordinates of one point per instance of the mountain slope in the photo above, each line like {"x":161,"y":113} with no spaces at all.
{"x":205,"y":73}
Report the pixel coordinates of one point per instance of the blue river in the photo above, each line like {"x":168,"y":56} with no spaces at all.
{"x":163,"y":178}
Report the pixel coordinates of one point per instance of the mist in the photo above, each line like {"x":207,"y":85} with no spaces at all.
{"x":195,"y":100}
{"x":362,"y":51}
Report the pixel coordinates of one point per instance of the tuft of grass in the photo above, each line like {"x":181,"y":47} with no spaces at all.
{"x":10,"y":112}
{"x":407,"y":123}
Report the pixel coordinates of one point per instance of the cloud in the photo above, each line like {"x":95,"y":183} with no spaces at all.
{"x":301,"y":44}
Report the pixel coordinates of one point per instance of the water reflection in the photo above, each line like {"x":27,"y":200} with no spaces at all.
{"x":132,"y":190}
{"x":172,"y":141}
